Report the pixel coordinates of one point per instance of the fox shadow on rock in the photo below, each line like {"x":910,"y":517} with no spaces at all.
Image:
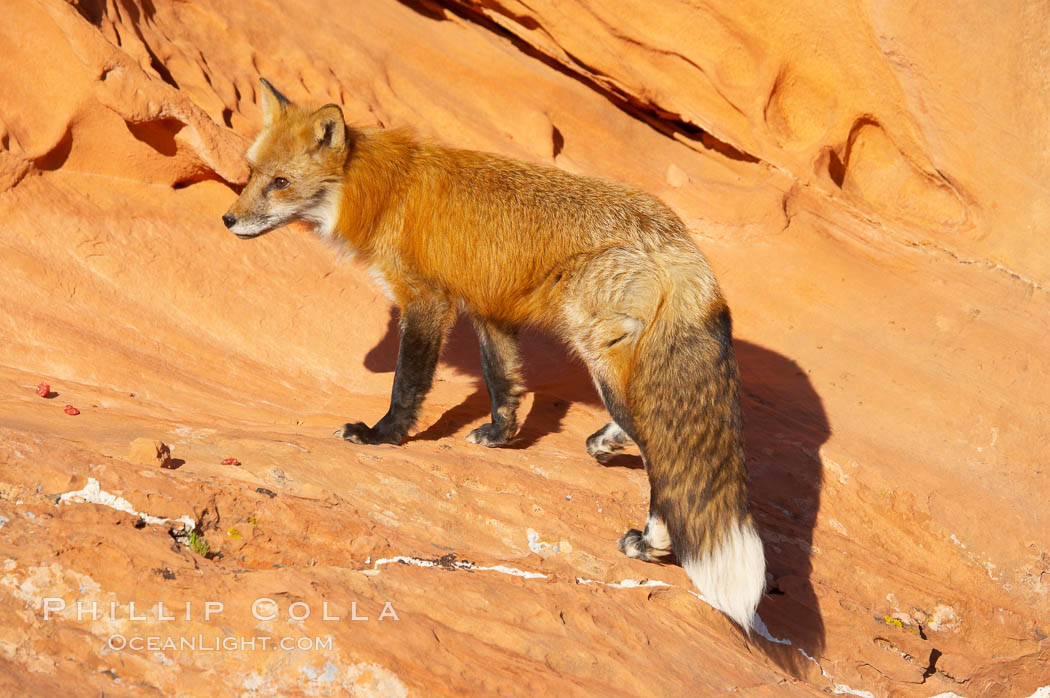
{"x":784,"y":428}
{"x":554,"y":376}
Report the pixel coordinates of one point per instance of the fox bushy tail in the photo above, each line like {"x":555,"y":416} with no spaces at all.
{"x":684,"y":397}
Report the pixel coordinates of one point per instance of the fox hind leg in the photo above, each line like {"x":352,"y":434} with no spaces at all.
{"x":606,"y":321}
{"x":614,"y":296}
{"x":652,"y":543}
{"x":500,"y":365}
{"x":607,"y":442}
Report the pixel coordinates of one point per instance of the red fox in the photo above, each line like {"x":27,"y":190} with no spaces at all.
{"x":609,"y":269}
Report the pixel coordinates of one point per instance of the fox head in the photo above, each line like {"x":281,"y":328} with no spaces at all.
{"x":296,"y":168}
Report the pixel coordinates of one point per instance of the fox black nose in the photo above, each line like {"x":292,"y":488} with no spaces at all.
{"x":228,"y":220}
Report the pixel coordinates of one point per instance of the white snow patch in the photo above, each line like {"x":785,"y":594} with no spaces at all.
{"x":459,"y":565}
{"x":625,"y":584}
{"x":810,"y":658}
{"x":93,"y":493}
{"x":760,"y":628}
{"x":839,"y":688}
{"x":759,"y":625}
{"x":538,"y":546}
{"x":507,"y":570}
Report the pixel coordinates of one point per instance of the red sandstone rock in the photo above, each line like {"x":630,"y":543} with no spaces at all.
{"x":868,"y":183}
{"x":150,"y":452}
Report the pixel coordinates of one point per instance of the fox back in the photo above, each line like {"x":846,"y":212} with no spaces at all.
{"x":611,"y":270}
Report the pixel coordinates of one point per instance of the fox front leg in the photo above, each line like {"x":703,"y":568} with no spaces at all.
{"x":501,"y":367}
{"x":424,"y":323}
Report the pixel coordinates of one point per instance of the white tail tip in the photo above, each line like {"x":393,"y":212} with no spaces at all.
{"x":732,"y":575}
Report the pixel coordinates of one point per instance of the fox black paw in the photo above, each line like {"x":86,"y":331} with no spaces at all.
{"x":633,"y":544}
{"x":601,"y":455}
{"x":358,"y":433}
{"x":489,"y":435}
{"x":605,"y":443}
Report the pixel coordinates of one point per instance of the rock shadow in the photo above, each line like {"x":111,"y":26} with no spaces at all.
{"x":784,"y":427}
{"x":554,"y":376}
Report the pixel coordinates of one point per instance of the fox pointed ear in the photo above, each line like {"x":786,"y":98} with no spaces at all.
{"x":329,"y":127}
{"x":271,"y":101}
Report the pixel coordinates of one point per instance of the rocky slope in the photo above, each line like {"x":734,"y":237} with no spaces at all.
{"x":868,"y":182}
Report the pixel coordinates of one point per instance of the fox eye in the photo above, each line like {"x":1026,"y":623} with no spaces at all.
{"x":280,"y":183}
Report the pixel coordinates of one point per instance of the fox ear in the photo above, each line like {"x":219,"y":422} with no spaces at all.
{"x":271,"y":101}
{"x":329,"y":127}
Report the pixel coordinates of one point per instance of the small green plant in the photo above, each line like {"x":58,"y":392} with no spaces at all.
{"x":897,"y":623}
{"x":198,"y":544}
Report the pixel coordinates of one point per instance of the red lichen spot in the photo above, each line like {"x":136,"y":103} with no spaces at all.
{"x":72,"y":411}
{"x":231,"y":461}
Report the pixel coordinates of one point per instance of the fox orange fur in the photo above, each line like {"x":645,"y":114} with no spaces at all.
{"x":611,"y":270}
